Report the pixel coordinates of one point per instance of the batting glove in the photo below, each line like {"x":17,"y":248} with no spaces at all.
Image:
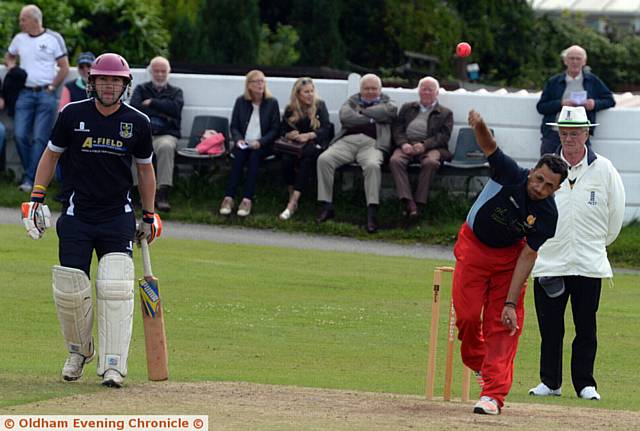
{"x":36,"y":216}
{"x":150,"y":227}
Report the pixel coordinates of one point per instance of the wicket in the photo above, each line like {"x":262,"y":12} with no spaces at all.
{"x":433,"y":341}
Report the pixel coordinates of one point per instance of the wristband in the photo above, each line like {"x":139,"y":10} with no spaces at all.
{"x":147,"y":216}
{"x":510,"y":304}
{"x":37,"y":195}
{"x":40,"y":187}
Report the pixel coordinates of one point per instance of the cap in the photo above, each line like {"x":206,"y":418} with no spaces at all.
{"x":86,"y":58}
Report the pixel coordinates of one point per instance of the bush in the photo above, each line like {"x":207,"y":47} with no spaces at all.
{"x":132,"y":28}
{"x":279,"y":48}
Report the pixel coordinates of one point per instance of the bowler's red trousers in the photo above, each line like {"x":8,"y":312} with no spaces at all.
{"x":480,"y":286}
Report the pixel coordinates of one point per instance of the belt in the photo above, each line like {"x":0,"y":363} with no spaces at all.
{"x":37,"y":88}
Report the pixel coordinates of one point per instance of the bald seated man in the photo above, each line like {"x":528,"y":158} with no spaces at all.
{"x":162,"y":102}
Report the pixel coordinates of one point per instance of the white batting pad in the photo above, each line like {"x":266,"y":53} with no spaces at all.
{"x":114,"y":286}
{"x":72,"y":296}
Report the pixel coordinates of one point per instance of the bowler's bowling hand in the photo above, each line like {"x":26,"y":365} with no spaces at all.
{"x":475,"y":119}
{"x":509,"y":319}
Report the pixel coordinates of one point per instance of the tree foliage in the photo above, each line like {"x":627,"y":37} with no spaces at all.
{"x":425,"y":26}
{"x":132,"y":28}
{"x":278,"y":48}
{"x":364,"y":30}
{"x":317,"y":23}
{"x":224,"y":32}
{"x":512,"y":45}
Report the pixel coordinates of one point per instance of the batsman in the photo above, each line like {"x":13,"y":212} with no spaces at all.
{"x":99,"y":137}
{"x":496,"y":248}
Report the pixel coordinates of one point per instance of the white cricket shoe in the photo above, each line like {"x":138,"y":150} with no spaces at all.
{"x":74,"y":366}
{"x":589,"y":393}
{"x":486,"y":406}
{"x":543,"y":390}
{"x":112,"y":379}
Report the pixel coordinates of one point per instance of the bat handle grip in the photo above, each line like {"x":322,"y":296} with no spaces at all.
{"x":146,"y":258}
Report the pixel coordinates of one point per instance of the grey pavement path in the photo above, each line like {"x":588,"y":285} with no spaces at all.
{"x":233,"y":235}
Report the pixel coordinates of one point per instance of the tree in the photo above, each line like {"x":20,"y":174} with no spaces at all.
{"x":279,"y":48}
{"x":501,"y":33}
{"x":426,"y":26}
{"x":226,"y":32}
{"x":363,"y":27}
{"x":317,"y":24}
{"x":132,"y":28}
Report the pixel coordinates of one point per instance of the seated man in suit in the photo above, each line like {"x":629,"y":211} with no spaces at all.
{"x":421,"y":134}
{"x":365,"y":138}
{"x":162,"y":102}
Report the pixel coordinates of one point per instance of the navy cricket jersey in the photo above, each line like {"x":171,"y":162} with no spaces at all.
{"x":503,"y":213}
{"x":98,"y":155}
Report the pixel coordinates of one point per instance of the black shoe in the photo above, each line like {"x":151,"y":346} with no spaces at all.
{"x":372,"y":224}
{"x":325,"y":215}
{"x":412,"y":210}
{"x":372,"y":221}
{"x":162,"y":199}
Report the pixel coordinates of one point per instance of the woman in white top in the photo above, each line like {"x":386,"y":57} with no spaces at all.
{"x":255,"y":124}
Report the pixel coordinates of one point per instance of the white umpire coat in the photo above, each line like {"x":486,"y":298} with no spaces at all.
{"x":590,"y":215}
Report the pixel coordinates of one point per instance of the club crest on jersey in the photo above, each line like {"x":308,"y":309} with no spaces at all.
{"x":531,"y":219}
{"x":81,"y":128}
{"x":126,"y":130}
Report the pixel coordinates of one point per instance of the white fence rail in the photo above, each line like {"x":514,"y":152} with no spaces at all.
{"x":513,"y":117}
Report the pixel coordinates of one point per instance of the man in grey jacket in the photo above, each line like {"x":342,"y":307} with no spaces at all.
{"x":365,"y":138}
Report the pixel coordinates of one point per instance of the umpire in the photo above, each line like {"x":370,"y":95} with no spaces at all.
{"x":571,"y":265}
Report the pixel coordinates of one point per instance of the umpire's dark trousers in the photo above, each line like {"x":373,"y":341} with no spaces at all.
{"x":585,"y":297}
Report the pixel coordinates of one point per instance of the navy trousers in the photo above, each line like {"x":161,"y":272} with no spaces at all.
{"x":584,"y":293}
{"x":78,"y":239}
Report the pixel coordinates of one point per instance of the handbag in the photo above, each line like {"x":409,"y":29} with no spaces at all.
{"x":288,"y":146}
{"x":211,"y":143}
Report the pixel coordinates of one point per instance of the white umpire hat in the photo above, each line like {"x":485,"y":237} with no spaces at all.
{"x":573,"y":116}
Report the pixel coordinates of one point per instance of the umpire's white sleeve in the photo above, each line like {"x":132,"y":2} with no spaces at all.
{"x":616,"y":205}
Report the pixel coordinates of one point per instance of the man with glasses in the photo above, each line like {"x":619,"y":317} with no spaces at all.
{"x":40,"y":50}
{"x":574,"y":87}
{"x":99,"y":137}
{"x":570,"y":265}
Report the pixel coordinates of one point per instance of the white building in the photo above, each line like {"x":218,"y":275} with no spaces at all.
{"x":600,"y":14}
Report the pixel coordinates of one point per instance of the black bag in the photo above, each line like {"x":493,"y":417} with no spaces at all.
{"x":288,"y":146}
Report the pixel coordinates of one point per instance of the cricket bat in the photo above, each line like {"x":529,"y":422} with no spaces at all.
{"x":153,"y":320}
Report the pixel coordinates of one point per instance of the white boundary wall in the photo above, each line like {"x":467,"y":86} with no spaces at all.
{"x":513,"y":117}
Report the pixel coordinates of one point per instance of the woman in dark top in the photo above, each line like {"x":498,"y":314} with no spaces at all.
{"x":305,"y":119}
{"x":255,"y":124}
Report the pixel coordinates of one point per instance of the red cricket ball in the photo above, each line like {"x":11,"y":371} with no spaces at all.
{"x":463,"y":49}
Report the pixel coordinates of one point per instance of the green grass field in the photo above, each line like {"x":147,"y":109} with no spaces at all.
{"x":281,"y":316}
